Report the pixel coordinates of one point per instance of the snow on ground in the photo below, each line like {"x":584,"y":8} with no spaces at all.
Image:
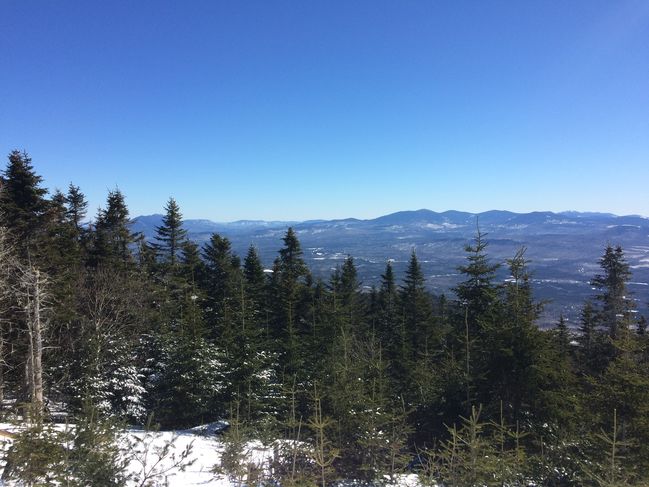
{"x":173,"y":469}
{"x":180,"y":458}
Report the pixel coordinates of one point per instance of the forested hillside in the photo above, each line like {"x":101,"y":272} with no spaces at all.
{"x":461,"y":389}
{"x":563,"y":248}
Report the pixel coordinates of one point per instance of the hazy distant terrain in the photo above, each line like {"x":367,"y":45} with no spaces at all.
{"x":564,"y":248}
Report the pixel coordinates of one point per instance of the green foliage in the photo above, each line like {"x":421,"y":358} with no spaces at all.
{"x":604,"y":467}
{"x":417,"y":314}
{"x":37,"y":456}
{"x":477,"y":454}
{"x":323,"y":452}
{"x":170,"y":235}
{"x":614,"y":303}
{"x":478,"y":293}
{"x":183,"y":332}
{"x":82,"y":454}
{"x":77,"y":207}
{"x":112,"y":239}
{"x":22,"y":202}
{"x":235,"y":462}
{"x":186,"y":381}
{"x":95,"y":457}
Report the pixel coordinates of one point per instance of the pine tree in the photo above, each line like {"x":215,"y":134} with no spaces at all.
{"x":94,"y":455}
{"x":186,"y":381}
{"x":260,"y":384}
{"x":169,"y":275}
{"x":587,"y":337}
{"x":63,"y":258}
{"x":371,"y":421}
{"x":191,"y":274}
{"x":347,"y":314}
{"x":508,"y":350}
{"x":255,"y":281}
{"x":390,"y":325}
{"x":477,"y":293}
{"x":563,"y":337}
{"x":349,"y":292}
{"x":77,"y":207}
{"x":287,"y":288}
{"x":613,"y":298}
{"x":220,"y":285}
{"x":642,"y":327}
{"x":417,"y":312}
{"x":113,"y":237}
{"x":624,"y":387}
{"x":22,"y":203}
{"x":171,"y":234}
{"x":192,"y":266}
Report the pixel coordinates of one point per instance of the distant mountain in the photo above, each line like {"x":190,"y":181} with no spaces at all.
{"x":563,"y":248}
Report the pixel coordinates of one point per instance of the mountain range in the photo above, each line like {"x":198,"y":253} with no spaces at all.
{"x":563,"y":248}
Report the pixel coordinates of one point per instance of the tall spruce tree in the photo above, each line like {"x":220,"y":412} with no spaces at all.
{"x":191,"y":273}
{"x":562,"y":335}
{"x":221,"y":290}
{"x":508,"y":347}
{"x":614,"y":303}
{"x":477,"y":293}
{"x":170,"y":235}
{"x":348,"y":305}
{"x":192,"y":266}
{"x":113,"y":238}
{"x":288,"y":283}
{"x":77,"y":207}
{"x":22,"y":203}
{"x":417,"y":311}
{"x":255,"y":281}
{"x":390,"y":326}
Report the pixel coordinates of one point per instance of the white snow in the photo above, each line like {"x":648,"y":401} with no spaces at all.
{"x":188,"y":460}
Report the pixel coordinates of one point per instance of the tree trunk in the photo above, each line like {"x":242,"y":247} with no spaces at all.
{"x":34,"y":292}
{"x":38,"y":342}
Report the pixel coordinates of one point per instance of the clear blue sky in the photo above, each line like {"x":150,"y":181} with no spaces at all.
{"x":324,"y":109}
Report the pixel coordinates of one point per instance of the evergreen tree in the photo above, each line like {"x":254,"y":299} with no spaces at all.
{"x":371,"y":423}
{"x":220,"y":285}
{"x":509,"y":347}
{"x":563,"y":337}
{"x":112,"y":237}
{"x":63,"y":259}
{"x":287,"y":287}
{"x":171,"y":234}
{"x":478,"y":299}
{"x":613,"y":298}
{"x":77,"y":207}
{"x":477,"y":293}
{"x":347,"y":315}
{"x":191,"y":275}
{"x":390,"y":325}
{"x":624,"y":388}
{"x":192,"y":266}
{"x":587,"y":334}
{"x":175,"y":303}
{"x":417,"y":313}
{"x":185,"y":381}
{"x":22,"y":202}
{"x":255,"y":282}
{"x":642,"y":326}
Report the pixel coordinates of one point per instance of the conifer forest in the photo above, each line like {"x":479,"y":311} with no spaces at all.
{"x":104,"y":332}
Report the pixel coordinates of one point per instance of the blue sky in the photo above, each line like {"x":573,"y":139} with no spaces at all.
{"x":325,"y":109}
